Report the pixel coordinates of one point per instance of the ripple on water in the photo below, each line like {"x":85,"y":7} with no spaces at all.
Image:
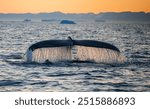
{"x":11,"y":83}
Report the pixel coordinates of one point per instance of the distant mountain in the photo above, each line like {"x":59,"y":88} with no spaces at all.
{"x":108,"y":16}
{"x":48,"y":16}
{"x":124,"y":16}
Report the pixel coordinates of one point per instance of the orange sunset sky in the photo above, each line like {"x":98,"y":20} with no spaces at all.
{"x":73,"y":6}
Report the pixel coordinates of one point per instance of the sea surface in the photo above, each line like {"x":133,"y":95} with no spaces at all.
{"x":133,"y":40}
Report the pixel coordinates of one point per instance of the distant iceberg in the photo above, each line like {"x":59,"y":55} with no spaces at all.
{"x":67,"y":22}
{"x":27,"y":20}
{"x":49,"y":20}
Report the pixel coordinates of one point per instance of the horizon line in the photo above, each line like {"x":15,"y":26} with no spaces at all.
{"x":75,"y":12}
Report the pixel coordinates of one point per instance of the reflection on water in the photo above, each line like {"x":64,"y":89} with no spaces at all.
{"x":132,"y":39}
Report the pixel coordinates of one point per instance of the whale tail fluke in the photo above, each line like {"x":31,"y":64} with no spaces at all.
{"x":68,"y":50}
{"x":99,"y":55}
{"x":51,"y":54}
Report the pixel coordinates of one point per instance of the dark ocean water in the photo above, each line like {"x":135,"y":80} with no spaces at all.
{"x":133,"y":40}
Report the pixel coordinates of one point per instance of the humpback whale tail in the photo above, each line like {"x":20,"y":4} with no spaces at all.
{"x":78,"y":50}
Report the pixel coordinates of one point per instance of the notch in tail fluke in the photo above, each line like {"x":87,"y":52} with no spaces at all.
{"x":86,"y":50}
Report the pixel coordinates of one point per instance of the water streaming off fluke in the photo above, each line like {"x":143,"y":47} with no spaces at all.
{"x":99,"y":55}
{"x":53,"y":54}
{"x":77,"y":53}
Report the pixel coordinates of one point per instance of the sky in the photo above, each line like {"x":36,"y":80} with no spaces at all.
{"x":73,"y":6}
